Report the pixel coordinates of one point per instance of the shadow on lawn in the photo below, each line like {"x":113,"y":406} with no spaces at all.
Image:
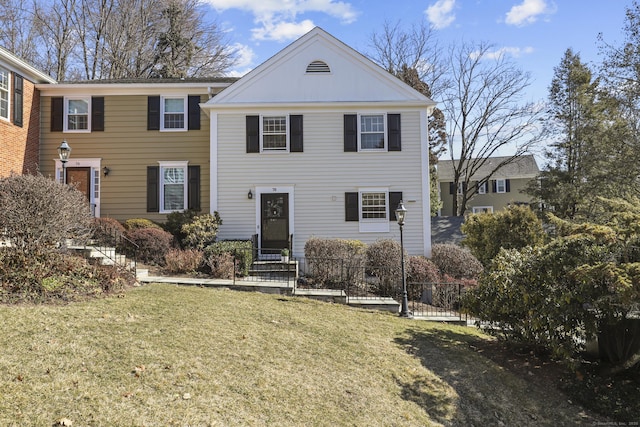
{"x":473,"y":390}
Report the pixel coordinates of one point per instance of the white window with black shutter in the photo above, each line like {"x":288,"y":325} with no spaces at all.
{"x":501,"y":186}
{"x":77,"y":114}
{"x":173,"y":113}
{"x":372,"y":208}
{"x":173,"y":186}
{"x":372,"y":132}
{"x":273,"y":133}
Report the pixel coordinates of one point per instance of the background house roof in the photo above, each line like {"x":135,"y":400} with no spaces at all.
{"x":521,"y":167}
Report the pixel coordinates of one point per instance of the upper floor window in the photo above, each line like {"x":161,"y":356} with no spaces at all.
{"x":372,"y":132}
{"x":274,"y":133}
{"x":482,"y":188}
{"x":501,"y":185}
{"x":4,"y":94}
{"x":173,"y":113}
{"x":77,"y":114}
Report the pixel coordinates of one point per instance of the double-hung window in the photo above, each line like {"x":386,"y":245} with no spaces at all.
{"x":4,"y":94}
{"x":77,"y":114}
{"x":372,"y":132}
{"x":274,"y":133}
{"x":482,"y":188}
{"x":173,"y":113}
{"x":173,"y":186}
{"x":373,"y":205}
{"x":373,"y":208}
{"x":501,"y":185}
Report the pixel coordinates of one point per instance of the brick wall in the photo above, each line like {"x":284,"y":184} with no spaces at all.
{"x":19,"y":146}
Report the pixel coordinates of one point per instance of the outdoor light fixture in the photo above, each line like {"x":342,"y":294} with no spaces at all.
{"x":105,"y":171}
{"x":63,"y":152}
{"x":401,"y":212}
{"x":249,"y":194}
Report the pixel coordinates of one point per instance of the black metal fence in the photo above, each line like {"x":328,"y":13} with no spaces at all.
{"x":436,"y":300}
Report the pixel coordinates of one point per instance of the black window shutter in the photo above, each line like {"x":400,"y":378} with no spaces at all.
{"x":452,"y":188}
{"x":153,"y":113}
{"x":18,"y":99}
{"x":393,"y":132}
{"x":507,"y":185}
{"x":97,"y":113}
{"x":350,"y":132}
{"x":194,"y":188}
{"x":494,"y":187}
{"x":295,"y":131}
{"x":253,"y":134}
{"x":194,"y":112}
{"x":153,"y":188}
{"x":351,"y":211}
{"x":394,"y":200}
{"x":57,"y":114}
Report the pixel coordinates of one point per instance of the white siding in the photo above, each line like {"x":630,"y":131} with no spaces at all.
{"x":320,"y":176}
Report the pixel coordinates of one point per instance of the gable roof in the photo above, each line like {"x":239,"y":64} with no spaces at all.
{"x":23,"y":68}
{"x":522,"y":167}
{"x":318,"y":68}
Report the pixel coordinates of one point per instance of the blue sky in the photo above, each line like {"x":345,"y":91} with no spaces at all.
{"x":535,"y":33}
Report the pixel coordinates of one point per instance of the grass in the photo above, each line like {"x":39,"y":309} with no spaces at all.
{"x":177,"y":356}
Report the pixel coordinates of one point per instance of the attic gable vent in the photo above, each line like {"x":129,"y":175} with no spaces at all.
{"x":318,"y":67}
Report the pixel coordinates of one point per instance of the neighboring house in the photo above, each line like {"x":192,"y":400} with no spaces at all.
{"x":19,"y":114}
{"x":316,"y":141}
{"x":502,"y":189}
{"x":139,"y":148}
{"x":320,"y":141}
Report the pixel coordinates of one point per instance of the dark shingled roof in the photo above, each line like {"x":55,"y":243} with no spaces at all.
{"x":522,"y":167}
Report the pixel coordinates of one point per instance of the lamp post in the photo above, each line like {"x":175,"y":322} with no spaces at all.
{"x":63,"y":152}
{"x":401,"y":212}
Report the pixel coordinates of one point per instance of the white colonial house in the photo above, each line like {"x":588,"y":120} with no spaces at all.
{"x":319,"y":141}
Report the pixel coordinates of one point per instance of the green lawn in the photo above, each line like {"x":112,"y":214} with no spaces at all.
{"x":163,"y":355}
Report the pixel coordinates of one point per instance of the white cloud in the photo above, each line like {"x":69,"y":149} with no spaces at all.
{"x":515,"y":52}
{"x":440,"y":14}
{"x":528,"y":12}
{"x":276,"y":19}
{"x":282,"y":31}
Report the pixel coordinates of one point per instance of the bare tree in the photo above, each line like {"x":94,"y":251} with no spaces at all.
{"x":485,"y":114}
{"x":53,"y":22}
{"x":416,"y":49}
{"x":17,"y":31}
{"x":91,"y":19}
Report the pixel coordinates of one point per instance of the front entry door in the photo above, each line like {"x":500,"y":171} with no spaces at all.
{"x":274,"y":215}
{"x":81,"y":179}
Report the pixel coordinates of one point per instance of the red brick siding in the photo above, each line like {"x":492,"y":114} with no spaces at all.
{"x":19,"y":146}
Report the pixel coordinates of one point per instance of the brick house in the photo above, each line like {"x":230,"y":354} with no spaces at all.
{"x":19,"y":114}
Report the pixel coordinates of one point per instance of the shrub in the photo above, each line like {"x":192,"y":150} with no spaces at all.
{"x":241,"y":250}
{"x":455,"y":261}
{"x":55,"y":276}
{"x":384,"y":262}
{"x":183,"y":260}
{"x":106,"y":231}
{"x":202,"y":231}
{"x":420,"y":272}
{"x":132,"y":223}
{"x":513,"y":228}
{"x":220,"y":264}
{"x":153,"y":244}
{"x":175,"y":221}
{"x":37,"y":213}
{"x":333,"y":262}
